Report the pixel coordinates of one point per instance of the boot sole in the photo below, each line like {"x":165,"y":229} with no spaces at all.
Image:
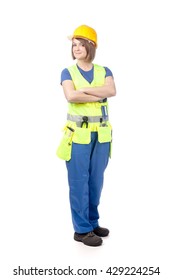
{"x":92,"y":245}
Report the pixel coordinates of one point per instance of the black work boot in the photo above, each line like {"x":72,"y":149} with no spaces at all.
{"x":89,"y":239}
{"x":100,"y":231}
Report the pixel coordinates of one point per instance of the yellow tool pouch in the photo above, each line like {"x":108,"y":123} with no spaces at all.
{"x":104,"y":134}
{"x":65,"y":147}
{"x":82,"y":135}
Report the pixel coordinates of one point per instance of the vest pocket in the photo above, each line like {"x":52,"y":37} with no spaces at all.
{"x":65,"y":147}
{"x":104,"y":134}
{"x":82,"y":135}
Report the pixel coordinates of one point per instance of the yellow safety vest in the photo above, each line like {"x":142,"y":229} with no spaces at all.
{"x":84,"y":118}
{"x":93,"y":110}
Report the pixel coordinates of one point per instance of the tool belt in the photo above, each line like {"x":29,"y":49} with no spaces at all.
{"x":80,"y":120}
{"x":81,"y":135}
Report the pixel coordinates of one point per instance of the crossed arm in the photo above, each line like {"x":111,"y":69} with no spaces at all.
{"x":89,"y":94}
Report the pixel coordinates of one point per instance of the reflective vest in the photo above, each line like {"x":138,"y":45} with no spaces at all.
{"x":84,"y":118}
{"x":96,"y":112}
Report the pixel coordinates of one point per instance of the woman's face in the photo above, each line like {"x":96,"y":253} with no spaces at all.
{"x":79,"y":50}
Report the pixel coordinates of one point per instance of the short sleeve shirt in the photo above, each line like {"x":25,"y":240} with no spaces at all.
{"x":88,"y":75}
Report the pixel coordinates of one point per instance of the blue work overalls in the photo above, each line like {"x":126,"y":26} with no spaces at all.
{"x":85,"y":176}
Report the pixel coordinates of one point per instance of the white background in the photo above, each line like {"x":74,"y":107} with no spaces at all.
{"x":135,"y":42}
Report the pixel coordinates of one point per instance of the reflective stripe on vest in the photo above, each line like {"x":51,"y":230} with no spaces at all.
{"x":91,"y":119}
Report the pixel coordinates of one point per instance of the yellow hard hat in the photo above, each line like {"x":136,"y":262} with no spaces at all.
{"x":85,"y":32}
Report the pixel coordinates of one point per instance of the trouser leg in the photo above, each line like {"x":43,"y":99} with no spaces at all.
{"x":98,"y":164}
{"x":78,"y":177}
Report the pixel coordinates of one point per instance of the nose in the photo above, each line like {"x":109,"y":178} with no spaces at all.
{"x":77,"y":47}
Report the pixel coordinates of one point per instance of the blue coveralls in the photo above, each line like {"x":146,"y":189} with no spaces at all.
{"x":86,"y":173}
{"x":85,"y":176}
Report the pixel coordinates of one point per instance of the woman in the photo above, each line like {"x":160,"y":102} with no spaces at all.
{"x":87,"y":137}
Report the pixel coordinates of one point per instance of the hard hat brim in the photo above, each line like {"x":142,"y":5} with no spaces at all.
{"x":71,"y":37}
